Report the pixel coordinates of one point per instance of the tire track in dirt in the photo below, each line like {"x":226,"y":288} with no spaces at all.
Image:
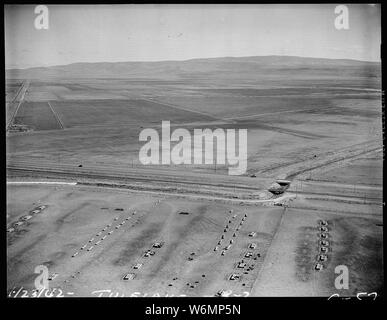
{"x":59,"y":222}
{"x":135,"y":247}
{"x":268,"y":247}
{"x":17,"y":256}
{"x":180,"y":235}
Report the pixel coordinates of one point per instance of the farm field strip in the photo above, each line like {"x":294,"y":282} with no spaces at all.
{"x":56,"y":115}
{"x":37,"y":116}
{"x":182,"y":108}
{"x":18,"y":92}
{"x":272,"y":113}
{"x":23,"y":89}
{"x":132,"y":112}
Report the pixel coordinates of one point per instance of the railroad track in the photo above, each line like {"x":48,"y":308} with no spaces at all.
{"x":142,"y":175}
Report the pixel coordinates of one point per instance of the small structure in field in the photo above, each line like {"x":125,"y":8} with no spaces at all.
{"x":279,"y":186}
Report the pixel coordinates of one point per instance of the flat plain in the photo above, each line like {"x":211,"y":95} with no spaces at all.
{"x":316,"y":122}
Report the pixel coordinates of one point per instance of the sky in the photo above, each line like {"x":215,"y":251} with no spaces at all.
{"x":111,"y":33}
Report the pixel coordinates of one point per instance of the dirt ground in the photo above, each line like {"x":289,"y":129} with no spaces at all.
{"x":323,"y":131}
{"x":102,"y":119}
{"x":54,"y":235}
{"x":354,"y":242}
{"x":282,"y":264}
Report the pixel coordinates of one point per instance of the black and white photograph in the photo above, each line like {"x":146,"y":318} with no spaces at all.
{"x":194,"y":150}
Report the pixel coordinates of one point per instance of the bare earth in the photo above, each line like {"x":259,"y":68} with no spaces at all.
{"x":321,"y":131}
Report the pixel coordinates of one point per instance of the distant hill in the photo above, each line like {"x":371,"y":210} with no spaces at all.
{"x":242,"y":67}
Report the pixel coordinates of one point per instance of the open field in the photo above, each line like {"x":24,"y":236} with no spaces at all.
{"x":315,"y":122}
{"x":15,"y":93}
{"x":125,"y":112}
{"x":100,"y":132}
{"x":367,"y":169}
{"x":12,"y":89}
{"x":102,"y":118}
{"x":355,"y":242}
{"x":281,"y":264}
{"x":57,"y":233}
{"x":37,"y":115}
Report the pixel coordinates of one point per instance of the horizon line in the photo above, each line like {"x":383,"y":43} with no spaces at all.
{"x":190,"y":59}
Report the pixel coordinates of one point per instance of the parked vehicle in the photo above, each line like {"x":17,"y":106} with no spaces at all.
{"x":149,"y":253}
{"x":324,"y":243}
{"x":158,"y":244}
{"x":53,"y":276}
{"x":252,"y":246}
{"x":322,"y":257}
{"x":129,"y":276}
{"x":323,"y":223}
{"x":248,"y":254}
{"x":318,"y":267}
{"x":324,"y":249}
{"x":235,"y":276}
{"x":222,"y":293}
